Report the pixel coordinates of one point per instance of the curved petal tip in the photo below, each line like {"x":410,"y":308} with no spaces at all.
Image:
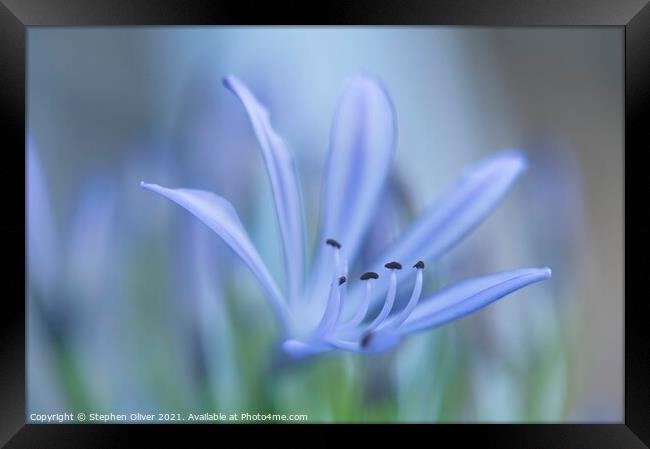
{"x":515,"y":160}
{"x":152,"y":187}
{"x":540,"y":273}
{"x":371,"y":85}
{"x":297,"y":349}
{"x":229,"y":80}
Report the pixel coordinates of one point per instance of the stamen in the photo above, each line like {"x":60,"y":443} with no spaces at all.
{"x":388,"y":304}
{"x":344,"y":289}
{"x":340,"y":266}
{"x":363,"y":309}
{"x":413,"y":300}
{"x":332,"y":310}
{"x":393,"y":266}
{"x":333,"y":243}
{"x":337,"y":262}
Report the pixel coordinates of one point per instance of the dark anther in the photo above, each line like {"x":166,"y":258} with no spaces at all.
{"x":332,"y":242}
{"x":419,"y":265}
{"x":393,"y":266}
{"x":365,"y":340}
{"x":342,"y":280}
{"x":369,"y":275}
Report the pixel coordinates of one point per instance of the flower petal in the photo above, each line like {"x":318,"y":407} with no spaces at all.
{"x":459,"y":210}
{"x":299,"y":349}
{"x":363,"y":141}
{"x":284,"y":182}
{"x":220,"y":216}
{"x":466,"y":297}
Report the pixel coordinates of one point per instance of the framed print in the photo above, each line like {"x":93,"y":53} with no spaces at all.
{"x":373,"y":214}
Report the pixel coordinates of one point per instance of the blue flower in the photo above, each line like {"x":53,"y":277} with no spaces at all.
{"x":323,"y":310}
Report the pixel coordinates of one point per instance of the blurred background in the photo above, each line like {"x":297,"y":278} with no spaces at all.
{"x":134,"y":306}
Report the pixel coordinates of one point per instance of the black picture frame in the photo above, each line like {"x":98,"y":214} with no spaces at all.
{"x":632,"y":15}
